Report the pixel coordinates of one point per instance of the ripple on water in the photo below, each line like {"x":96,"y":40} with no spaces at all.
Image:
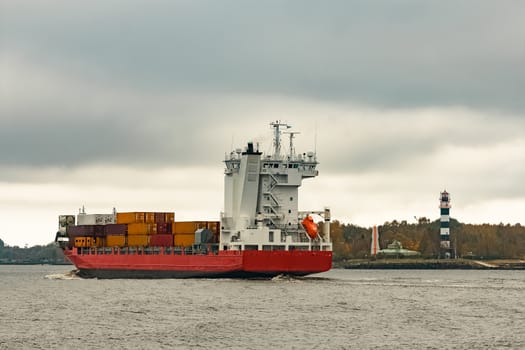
{"x":50,"y":307}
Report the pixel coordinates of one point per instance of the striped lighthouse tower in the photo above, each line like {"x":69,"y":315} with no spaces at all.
{"x":444,"y":206}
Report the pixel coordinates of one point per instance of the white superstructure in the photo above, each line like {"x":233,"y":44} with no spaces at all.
{"x":261,"y":199}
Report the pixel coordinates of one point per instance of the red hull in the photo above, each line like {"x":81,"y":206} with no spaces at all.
{"x":250,"y":263}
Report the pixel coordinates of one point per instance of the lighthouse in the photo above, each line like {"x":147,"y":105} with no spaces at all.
{"x":444,"y":205}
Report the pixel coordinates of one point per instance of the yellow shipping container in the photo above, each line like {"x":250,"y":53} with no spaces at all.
{"x":138,"y":240}
{"x":183,"y":240}
{"x":82,"y":241}
{"x":115,"y":241}
{"x":187,"y":227}
{"x":130,"y":218}
{"x":142,"y":229}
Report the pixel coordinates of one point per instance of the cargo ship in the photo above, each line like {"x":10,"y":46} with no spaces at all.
{"x":261,"y":232}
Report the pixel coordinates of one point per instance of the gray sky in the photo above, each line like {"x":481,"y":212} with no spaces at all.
{"x":133,"y":104}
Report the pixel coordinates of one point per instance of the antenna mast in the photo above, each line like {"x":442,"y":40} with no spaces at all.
{"x":277,"y":136}
{"x":292,"y":148}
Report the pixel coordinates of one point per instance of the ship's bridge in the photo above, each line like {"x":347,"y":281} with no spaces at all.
{"x":261,"y":195}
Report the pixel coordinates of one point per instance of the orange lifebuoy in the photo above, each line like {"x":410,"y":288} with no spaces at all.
{"x":310,"y":226}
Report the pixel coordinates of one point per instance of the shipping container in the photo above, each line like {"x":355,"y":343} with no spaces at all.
{"x":138,"y":240}
{"x":170,"y":217}
{"x":214,"y":226}
{"x":86,"y":230}
{"x":164,"y":228}
{"x":116,"y":229}
{"x":115,"y":241}
{"x":64,"y":221}
{"x":187,"y":227}
{"x":95,"y":219}
{"x":160,"y":218}
{"x":130,"y":217}
{"x":161,"y":240}
{"x":77,"y":231}
{"x":181,"y":240}
{"x":100,"y":241}
{"x":142,"y":229}
{"x":100,"y":230}
{"x":204,"y":235}
{"x":82,"y":242}
{"x":149,"y":217}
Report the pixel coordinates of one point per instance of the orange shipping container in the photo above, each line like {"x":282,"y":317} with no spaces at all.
{"x":138,"y":240}
{"x":183,"y":240}
{"x":181,"y":227}
{"x":142,"y":229}
{"x":100,"y":241}
{"x":116,"y":241}
{"x":170,"y":217}
{"x":149,"y":217}
{"x":130,"y":218}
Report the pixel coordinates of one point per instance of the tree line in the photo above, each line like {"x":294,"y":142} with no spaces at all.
{"x":38,"y":254}
{"x":353,"y":242}
{"x":482,"y":241}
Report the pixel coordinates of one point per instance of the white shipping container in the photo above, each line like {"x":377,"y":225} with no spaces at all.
{"x":95,"y":219}
{"x":64,"y":221}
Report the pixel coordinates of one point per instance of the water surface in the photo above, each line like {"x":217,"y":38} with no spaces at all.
{"x":45,"y":307}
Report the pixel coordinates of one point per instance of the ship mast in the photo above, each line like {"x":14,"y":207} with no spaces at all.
{"x":277,"y":137}
{"x":292,"y":149}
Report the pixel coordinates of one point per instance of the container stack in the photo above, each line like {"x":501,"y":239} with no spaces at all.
{"x":87,"y":235}
{"x":147,"y":228}
{"x":116,"y":235}
{"x":184,"y":231}
{"x":138,"y":229}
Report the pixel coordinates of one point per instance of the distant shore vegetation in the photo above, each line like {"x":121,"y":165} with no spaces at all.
{"x":477,"y":241}
{"x":38,"y":254}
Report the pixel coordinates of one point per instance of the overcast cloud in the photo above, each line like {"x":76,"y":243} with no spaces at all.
{"x":133,"y":104}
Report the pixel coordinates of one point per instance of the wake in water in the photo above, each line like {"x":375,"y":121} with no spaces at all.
{"x":71,"y":275}
{"x":292,"y":278}
{"x":282,"y":277}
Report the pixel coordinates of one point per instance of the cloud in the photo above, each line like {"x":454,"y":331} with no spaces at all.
{"x":136,"y":105}
{"x":400,"y":54}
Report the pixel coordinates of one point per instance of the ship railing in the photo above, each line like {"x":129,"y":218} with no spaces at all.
{"x":198,"y":249}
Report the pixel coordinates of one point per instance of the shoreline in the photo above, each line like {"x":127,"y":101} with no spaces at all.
{"x":431,"y":264}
